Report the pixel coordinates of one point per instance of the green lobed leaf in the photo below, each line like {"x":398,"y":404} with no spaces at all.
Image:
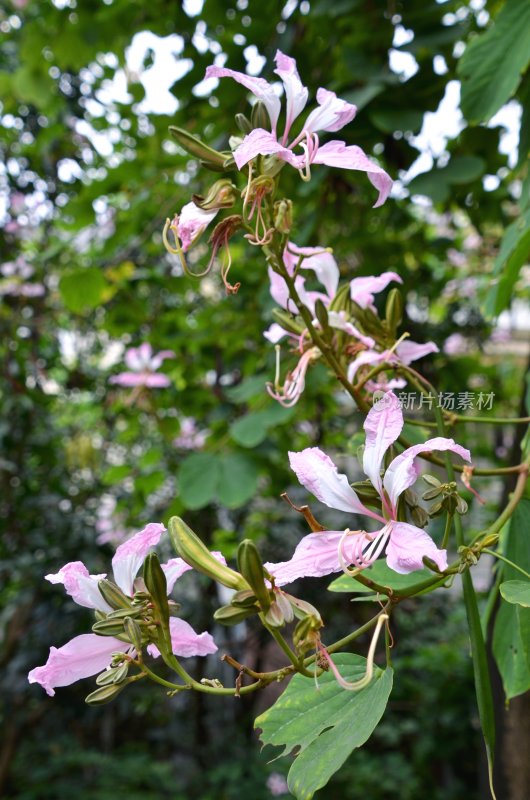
{"x":514,"y":253}
{"x":237,"y":479}
{"x":326,"y":724}
{"x":517,"y":592}
{"x":82,"y":289}
{"x":511,"y":633}
{"x":491,"y":66}
{"x":199,"y":475}
{"x":381,"y":573}
{"x":252,"y":429}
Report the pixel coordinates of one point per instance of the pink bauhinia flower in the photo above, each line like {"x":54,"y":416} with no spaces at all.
{"x":319,"y":554}
{"x":89,"y":654}
{"x":143,"y":365}
{"x":191,"y":223}
{"x":404,"y":352}
{"x":331,"y":115}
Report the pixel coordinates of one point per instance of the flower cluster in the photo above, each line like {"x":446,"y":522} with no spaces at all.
{"x":93,"y":653}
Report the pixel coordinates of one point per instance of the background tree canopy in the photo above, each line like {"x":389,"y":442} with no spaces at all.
{"x":89,"y":174}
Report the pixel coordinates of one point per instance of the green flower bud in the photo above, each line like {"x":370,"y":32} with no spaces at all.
{"x":196,"y":554}
{"x":156,"y":584}
{"x":108,"y":627}
{"x":192,"y":145}
{"x":133,"y":632}
{"x":274,"y":616}
{"x":113,"y":594}
{"x":260,"y":116}
{"x":283,"y":215}
{"x":105,"y":694}
{"x":243,"y":123}
{"x":245,"y":599}
{"x":229,"y":615}
{"x":113,"y":675}
{"x":222,"y":194}
{"x":251,"y":567}
{"x":432,"y":565}
{"x":394,"y":311}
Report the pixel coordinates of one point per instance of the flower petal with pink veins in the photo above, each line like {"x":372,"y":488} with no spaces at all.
{"x":81,"y":586}
{"x":79,"y":658}
{"x":185,"y":641}
{"x":337,"y":319}
{"x":130,"y":555}
{"x":317,"y":472}
{"x":322,"y":263}
{"x":338,"y":154}
{"x":259,"y":87}
{"x":382,"y":425}
{"x":331,"y":115}
{"x":192,"y":222}
{"x":403,"y":470}
{"x":317,"y":554}
{"x":408,"y":351}
{"x":296,"y":93}
{"x":261,"y":142}
{"x":362,"y":290}
{"x":407,"y":546}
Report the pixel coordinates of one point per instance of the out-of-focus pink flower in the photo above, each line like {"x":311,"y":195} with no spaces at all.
{"x":89,"y":654}
{"x":17,"y":282}
{"x":319,"y":554}
{"x":404,"y":353}
{"x":362,"y":290}
{"x":456,"y":345}
{"x":331,"y":115}
{"x":109,"y":525}
{"x":277,"y":784}
{"x":143,"y":365}
{"x":190,"y":437}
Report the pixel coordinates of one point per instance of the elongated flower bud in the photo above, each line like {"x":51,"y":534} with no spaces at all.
{"x":283,"y":215}
{"x":108,"y":627}
{"x":156,"y":584}
{"x":113,"y":675}
{"x":105,"y":694}
{"x":194,"y":146}
{"x":134,"y":632}
{"x":243,"y":123}
{"x":113,"y":594}
{"x":251,"y":567}
{"x":394,"y":311}
{"x":222,"y":194}
{"x":230,"y":615}
{"x":195,"y":553}
{"x":259,"y":117}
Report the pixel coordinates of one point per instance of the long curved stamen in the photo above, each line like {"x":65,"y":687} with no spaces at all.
{"x":177,"y":250}
{"x":225,"y":268}
{"x":294,"y":384}
{"x":369,"y":673}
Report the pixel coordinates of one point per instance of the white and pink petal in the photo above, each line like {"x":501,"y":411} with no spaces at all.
{"x":383,"y":426}
{"x":407,"y":547}
{"x":403,"y":471}
{"x":130,"y":555}
{"x":259,"y":87}
{"x":316,"y":555}
{"x":79,"y":658}
{"x":338,"y":154}
{"x":318,"y":474}
{"x":81,"y":586}
{"x":185,"y":641}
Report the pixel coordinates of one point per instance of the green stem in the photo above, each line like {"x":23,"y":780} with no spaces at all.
{"x":506,"y":561}
{"x":448,"y":524}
